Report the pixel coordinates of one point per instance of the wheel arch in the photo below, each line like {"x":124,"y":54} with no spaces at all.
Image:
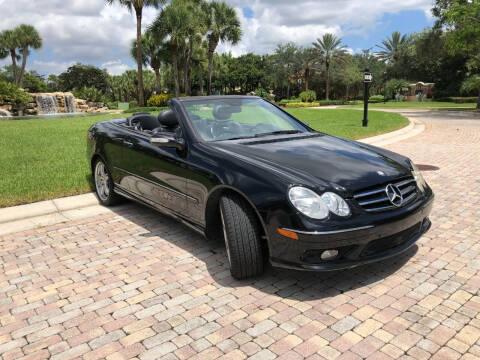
{"x":94,"y":159}
{"x":212,"y":212}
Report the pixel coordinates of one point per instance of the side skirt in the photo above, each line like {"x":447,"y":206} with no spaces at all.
{"x":159,"y":208}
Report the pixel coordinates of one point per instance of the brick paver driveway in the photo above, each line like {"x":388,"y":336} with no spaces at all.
{"x":137,"y":284}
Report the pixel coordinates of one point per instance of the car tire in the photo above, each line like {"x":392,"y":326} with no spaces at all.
{"x":242,"y":237}
{"x":104,"y":185}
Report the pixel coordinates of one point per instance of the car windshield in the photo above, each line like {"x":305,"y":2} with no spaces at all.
{"x":239,"y":118}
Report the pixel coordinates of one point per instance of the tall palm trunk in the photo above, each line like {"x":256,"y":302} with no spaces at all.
{"x":14,"y":64}
{"x":478,"y":102}
{"x":200,"y":79}
{"x":175,"y":70}
{"x":158,"y":79}
{"x":212,"y":45}
{"x":24,"y":63}
{"x":327,"y":80}
{"x":188,"y":68}
{"x":307,"y":76}
{"x":141,"y":100}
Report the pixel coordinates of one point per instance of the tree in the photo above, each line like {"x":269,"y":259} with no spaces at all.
{"x":307,"y":59}
{"x":330,"y":49}
{"x":472,"y":83}
{"x":173,"y":22}
{"x":223,"y":26}
{"x":462,"y":21}
{"x":352,"y":76}
{"x":286,"y":64}
{"x":154,"y":54}
{"x":396,"y":52}
{"x":9,"y":41}
{"x":137,"y":6}
{"x":79,"y":76}
{"x":28,"y":38}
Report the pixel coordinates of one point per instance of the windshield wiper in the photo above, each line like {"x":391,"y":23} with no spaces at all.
{"x":278,"y":132}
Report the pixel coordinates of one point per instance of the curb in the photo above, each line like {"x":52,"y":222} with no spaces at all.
{"x":44,"y":213}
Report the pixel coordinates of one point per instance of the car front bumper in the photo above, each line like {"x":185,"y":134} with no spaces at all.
{"x":356,"y":246}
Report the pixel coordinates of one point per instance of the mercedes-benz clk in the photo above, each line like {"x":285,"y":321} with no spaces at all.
{"x":241,"y":169}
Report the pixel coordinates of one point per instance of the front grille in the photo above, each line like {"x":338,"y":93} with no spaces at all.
{"x":390,"y":242}
{"x":376,"y":199}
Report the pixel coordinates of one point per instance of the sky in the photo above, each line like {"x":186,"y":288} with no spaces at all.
{"x":90,"y":32}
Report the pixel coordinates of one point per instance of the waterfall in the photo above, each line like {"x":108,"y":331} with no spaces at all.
{"x":5,"y":113}
{"x":70,"y":104}
{"x":46,"y":104}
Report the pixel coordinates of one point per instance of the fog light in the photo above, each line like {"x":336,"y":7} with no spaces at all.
{"x":329,"y":254}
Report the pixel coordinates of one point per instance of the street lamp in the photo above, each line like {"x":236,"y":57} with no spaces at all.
{"x":367,"y":79}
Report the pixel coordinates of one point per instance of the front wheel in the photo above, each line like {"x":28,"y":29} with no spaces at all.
{"x":242,"y":237}
{"x":104,"y":185}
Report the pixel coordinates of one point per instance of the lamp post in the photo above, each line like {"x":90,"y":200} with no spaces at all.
{"x":385,"y":87}
{"x":367,"y":79}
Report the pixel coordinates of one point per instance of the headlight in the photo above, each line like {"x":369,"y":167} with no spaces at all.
{"x":417,"y":175}
{"x":315,"y":206}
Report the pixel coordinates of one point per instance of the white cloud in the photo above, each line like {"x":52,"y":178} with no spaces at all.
{"x":303,"y":21}
{"x":115,"y":67}
{"x":89,"y":31}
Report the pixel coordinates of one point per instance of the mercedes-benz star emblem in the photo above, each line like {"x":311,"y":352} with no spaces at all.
{"x":394,"y":195}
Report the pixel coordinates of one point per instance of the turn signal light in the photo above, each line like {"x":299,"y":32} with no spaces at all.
{"x":288,"y":233}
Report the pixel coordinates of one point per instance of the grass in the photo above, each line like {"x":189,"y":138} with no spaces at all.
{"x":45,"y":158}
{"x":347,"y":123}
{"x":426,"y":105}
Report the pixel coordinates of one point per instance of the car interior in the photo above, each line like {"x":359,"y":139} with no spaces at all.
{"x":165,"y":122}
{"x":222,"y":126}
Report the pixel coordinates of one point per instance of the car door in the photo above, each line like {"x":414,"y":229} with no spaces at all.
{"x":153,"y":174}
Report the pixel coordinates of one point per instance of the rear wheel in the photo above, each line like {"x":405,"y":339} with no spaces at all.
{"x":104,"y":185}
{"x":242,"y":237}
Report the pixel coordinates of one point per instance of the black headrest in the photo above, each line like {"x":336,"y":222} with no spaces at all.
{"x":222,"y":112}
{"x":146,"y":121}
{"x":168,"y":118}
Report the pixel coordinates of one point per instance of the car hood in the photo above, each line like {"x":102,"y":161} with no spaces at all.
{"x":324,"y":160}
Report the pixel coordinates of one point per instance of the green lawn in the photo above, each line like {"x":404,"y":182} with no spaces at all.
{"x":425,"y":105}
{"x":45,"y":158}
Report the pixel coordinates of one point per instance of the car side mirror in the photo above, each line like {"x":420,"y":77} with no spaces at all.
{"x":168,"y":141}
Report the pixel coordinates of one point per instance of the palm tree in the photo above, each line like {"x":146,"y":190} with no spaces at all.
{"x":9,"y":41}
{"x":28,"y":38}
{"x":154,"y":53}
{"x":330,"y":48}
{"x":223,"y":25}
{"x":393,"y":47}
{"x":138,"y":6}
{"x":173,"y":22}
{"x":307,"y":60}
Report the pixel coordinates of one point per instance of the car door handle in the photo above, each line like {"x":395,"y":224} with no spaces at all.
{"x":127,"y":143}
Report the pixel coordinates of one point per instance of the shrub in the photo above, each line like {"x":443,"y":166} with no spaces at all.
{"x":112,"y":105}
{"x":12,"y":93}
{"x":397,"y":86}
{"x":146,"y":108}
{"x":263,"y":94}
{"x":132,"y":104}
{"x":458,"y":99}
{"x":316,"y":103}
{"x":89,"y":94}
{"x":376,"y":99}
{"x":159,"y":100}
{"x":308,"y":96}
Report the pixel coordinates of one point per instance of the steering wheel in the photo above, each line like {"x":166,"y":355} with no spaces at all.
{"x":221,"y":128}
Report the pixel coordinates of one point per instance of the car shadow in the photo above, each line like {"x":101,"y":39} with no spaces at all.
{"x":291,"y":284}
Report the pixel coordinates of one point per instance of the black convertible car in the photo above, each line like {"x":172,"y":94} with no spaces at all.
{"x":242,"y":169}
